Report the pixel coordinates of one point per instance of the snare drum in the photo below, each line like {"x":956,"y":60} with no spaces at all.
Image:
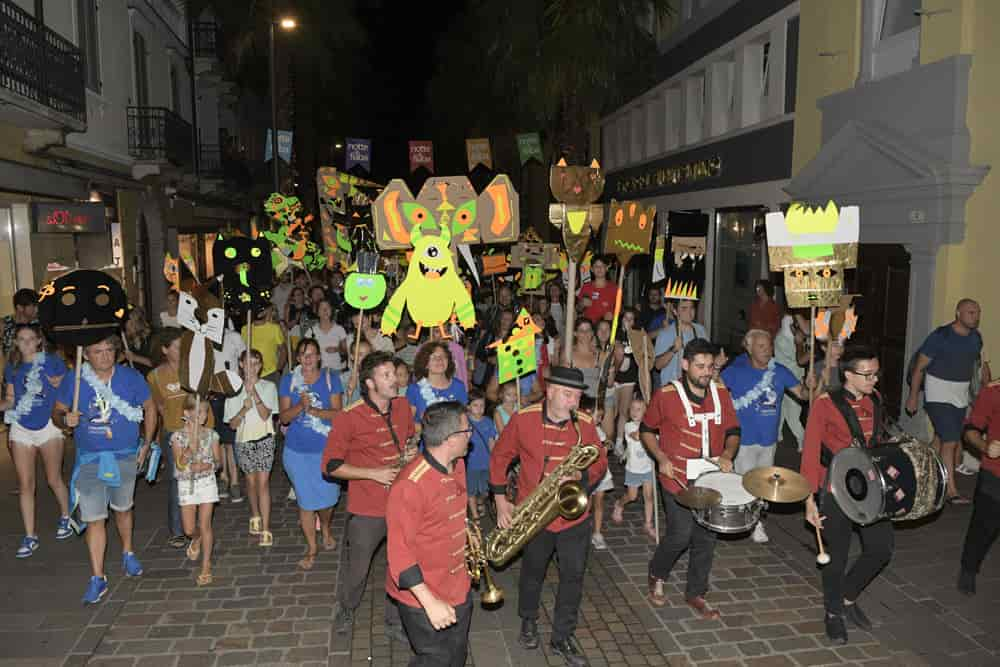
{"x":902,"y":482}
{"x":738,"y":511}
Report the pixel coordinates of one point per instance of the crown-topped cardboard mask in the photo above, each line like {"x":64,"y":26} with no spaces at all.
{"x":813,"y":247}
{"x":82,"y":307}
{"x":629,"y":231}
{"x":680,"y":291}
{"x":576,"y":188}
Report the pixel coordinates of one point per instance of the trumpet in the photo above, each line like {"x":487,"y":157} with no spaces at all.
{"x":476,"y":564}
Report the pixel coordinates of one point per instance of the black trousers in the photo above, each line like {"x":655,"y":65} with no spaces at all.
{"x":877,"y":543}
{"x":437,"y":648}
{"x":364,"y":536}
{"x":572,"y":547}
{"x":984,"y":526}
{"x":684,"y":533}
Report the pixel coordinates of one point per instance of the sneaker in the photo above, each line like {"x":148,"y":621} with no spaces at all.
{"x":131,"y":564}
{"x":759,"y":534}
{"x":967,"y":582}
{"x":598,"y":541}
{"x":235,"y":497}
{"x":96,"y":589}
{"x":177,"y":542}
{"x":569,"y":650}
{"x":343,"y":620}
{"x":858,"y":618}
{"x":529,"y":634}
{"x":64,"y":530}
{"x":963,"y":469}
{"x":223,"y":489}
{"x":28,"y":547}
{"x":291,"y":495}
{"x":836,"y":631}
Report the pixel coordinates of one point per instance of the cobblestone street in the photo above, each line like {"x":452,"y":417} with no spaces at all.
{"x":262,"y":610}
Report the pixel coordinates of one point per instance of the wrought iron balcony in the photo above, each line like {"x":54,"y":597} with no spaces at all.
{"x":40,"y":72}
{"x":158,"y":134}
{"x":206,"y":39}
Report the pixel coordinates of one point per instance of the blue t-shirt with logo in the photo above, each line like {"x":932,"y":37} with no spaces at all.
{"x":41,"y":406}
{"x":102,"y":428}
{"x":300,"y":436}
{"x":483,"y":430}
{"x":761,"y":419}
{"x":953,"y":356}
{"x":422,"y":395}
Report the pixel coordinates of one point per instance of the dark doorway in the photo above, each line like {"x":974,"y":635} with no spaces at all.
{"x":883,"y":281}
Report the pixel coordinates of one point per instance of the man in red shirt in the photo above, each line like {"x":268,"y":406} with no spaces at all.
{"x":368,"y":443}
{"x":695,"y":420}
{"x":541,"y":436}
{"x":598,"y":296}
{"x":828,"y":432}
{"x":982,"y":431}
{"x":426,"y":518}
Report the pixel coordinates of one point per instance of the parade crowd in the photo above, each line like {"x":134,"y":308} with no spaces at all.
{"x":423,"y":439}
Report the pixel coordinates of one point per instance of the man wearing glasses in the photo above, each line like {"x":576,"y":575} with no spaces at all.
{"x":828,"y":432}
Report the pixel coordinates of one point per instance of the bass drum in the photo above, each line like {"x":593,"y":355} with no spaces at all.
{"x":903,"y":482}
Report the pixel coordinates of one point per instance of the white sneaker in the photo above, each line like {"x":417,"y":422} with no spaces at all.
{"x":598,"y":541}
{"x":962,"y":469}
{"x":291,"y":494}
{"x":759,"y":534}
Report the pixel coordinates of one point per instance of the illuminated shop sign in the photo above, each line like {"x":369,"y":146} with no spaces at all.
{"x":63,"y":218}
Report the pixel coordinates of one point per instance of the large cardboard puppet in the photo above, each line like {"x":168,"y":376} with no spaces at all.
{"x":576,"y":188}
{"x":245,"y":267}
{"x":82,"y":307}
{"x":629,"y":230}
{"x":201,"y":314}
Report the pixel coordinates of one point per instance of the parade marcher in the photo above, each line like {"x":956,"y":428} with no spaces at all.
{"x":269,"y":339}
{"x":25,"y":312}
{"x":168,"y":317}
{"x":227,"y":359}
{"x":982,"y":432}
{"x":669,"y":347}
{"x":309,"y":397}
{"x":31,"y":379}
{"x":368,"y":444}
{"x":639,"y":470}
{"x":332,"y":337}
{"x":695,"y":419}
{"x":434,"y":379}
{"x":427,"y":538}
{"x":541,"y":436}
{"x":652,"y":314}
{"x":113,"y":401}
{"x":791,"y":351}
{"x":847,"y":417}
{"x":597,"y":298}
{"x":765,"y":313}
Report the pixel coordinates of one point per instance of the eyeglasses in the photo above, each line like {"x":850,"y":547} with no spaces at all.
{"x":874,"y":375}
{"x":467,"y":431}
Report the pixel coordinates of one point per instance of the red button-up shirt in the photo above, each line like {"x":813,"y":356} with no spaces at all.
{"x":828,"y":427}
{"x":425,"y":520}
{"x":541,"y":445}
{"x":678,"y":439}
{"x":360,"y":436}
{"x":985,"y":417}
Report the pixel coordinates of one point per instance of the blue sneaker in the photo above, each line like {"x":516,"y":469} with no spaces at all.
{"x":63,"y":529}
{"x":28,"y":546}
{"x":131,"y":564}
{"x":96,"y":589}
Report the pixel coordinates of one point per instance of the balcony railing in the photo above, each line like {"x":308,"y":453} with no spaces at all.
{"x":206,"y":39}
{"x":156,"y":133}
{"x":39,"y":65}
{"x":210,"y":160}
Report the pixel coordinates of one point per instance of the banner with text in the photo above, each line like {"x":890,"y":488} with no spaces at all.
{"x":284,"y":146}
{"x":529,"y":147}
{"x":478,"y":152}
{"x":359,"y":151}
{"x":422,"y":155}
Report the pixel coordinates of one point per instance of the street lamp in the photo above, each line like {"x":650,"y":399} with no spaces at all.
{"x":285,"y":24}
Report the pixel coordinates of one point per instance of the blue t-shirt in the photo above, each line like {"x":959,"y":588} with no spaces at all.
{"x":760,"y":420}
{"x":301,"y":436}
{"x":41,"y":406}
{"x":953,"y":356}
{"x":423,"y":395}
{"x":665,"y":340}
{"x":483,"y":430}
{"x":102,"y":428}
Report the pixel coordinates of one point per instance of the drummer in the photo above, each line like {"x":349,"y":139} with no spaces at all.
{"x":695,"y":420}
{"x":827,"y":433}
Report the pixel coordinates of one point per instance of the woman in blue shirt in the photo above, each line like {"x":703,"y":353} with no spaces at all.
{"x":309,"y":396}
{"x":31,"y":379}
{"x":434,"y":372}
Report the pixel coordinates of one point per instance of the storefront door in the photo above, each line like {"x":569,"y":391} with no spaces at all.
{"x":740,"y":254}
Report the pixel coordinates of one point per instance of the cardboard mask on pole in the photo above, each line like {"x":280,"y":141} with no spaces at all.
{"x":204,"y":318}
{"x":516,"y":355}
{"x":629,"y":230}
{"x":82,"y":307}
{"x":576,"y":188}
{"x":245,"y":267}
{"x":529,"y":249}
{"x":813,"y":247}
{"x":365,"y":288}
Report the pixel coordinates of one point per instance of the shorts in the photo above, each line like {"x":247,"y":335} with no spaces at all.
{"x":256,"y":455}
{"x":205,"y":490}
{"x":94,"y":496}
{"x":30,"y":438}
{"x":607,"y":484}
{"x":478,"y":482}
{"x":947,"y":420}
{"x":634,"y":479}
{"x":312,"y":490}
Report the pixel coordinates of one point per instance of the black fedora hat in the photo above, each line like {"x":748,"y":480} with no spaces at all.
{"x":567,"y":377}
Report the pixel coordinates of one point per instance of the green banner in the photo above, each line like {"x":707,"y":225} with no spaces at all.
{"x":529,"y":146}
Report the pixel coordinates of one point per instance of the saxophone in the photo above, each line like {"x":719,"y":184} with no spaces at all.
{"x":540,"y":508}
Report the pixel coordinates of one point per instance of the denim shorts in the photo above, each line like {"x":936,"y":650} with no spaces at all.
{"x":95,"y":496}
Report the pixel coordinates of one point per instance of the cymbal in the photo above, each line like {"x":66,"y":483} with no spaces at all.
{"x":776,"y":484}
{"x":699,"y":498}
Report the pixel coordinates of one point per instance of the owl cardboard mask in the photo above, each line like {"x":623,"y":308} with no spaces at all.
{"x":447,"y":201}
{"x":82,"y":308}
{"x":629,"y":230}
{"x":813,"y":247}
{"x":576,"y":188}
{"x":245,"y":265}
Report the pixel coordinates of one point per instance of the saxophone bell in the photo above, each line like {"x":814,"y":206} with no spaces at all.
{"x":572,"y":500}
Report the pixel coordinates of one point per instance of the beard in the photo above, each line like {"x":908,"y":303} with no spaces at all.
{"x":700,"y":382}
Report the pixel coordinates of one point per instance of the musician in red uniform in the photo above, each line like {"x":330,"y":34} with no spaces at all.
{"x":982,"y":431}
{"x":695,"y":420}
{"x":541,"y":436}
{"x":425,"y":515}
{"x":367,"y":445}
{"x":831,"y":429}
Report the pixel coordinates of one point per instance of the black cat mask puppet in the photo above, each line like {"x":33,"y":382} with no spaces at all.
{"x":245,"y":267}
{"x":82,"y":308}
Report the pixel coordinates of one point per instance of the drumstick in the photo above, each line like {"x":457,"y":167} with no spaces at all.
{"x":823,"y":557}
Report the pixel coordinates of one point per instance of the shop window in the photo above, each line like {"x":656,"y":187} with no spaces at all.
{"x":721,"y":97}
{"x":672,"y":118}
{"x":623,"y":157}
{"x":654,"y":126}
{"x":89,"y":43}
{"x":694,"y":108}
{"x":636,"y":119}
{"x":608,"y":157}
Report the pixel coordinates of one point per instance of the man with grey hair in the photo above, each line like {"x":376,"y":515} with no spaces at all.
{"x":426,"y":522}
{"x":757,"y":383}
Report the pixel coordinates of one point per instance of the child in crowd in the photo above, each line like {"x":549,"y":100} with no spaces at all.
{"x":196,"y":460}
{"x":484,"y":435}
{"x":353,"y":391}
{"x":249,"y":414}
{"x":507,"y":406}
{"x":587,"y":404}
{"x":402,"y":375}
{"x":638,"y":469}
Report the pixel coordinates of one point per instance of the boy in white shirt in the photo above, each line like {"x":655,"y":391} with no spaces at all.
{"x":639,"y":470}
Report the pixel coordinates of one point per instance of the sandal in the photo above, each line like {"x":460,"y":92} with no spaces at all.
{"x":617,"y":513}
{"x":308,"y":561}
{"x":959,"y":500}
{"x":194,"y":549}
{"x":205,"y":578}
{"x":651,"y":532}
{"x":255,"y":525}
{"x":266,"y":538}
{"x":330,"y":545}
